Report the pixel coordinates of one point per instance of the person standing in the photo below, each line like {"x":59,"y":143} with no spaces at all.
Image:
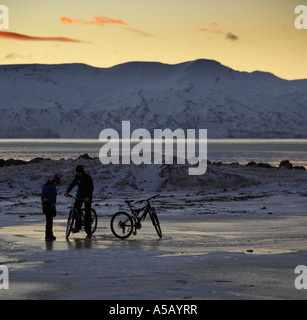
{"x":48,"y":197}
{"x":84,"y":195}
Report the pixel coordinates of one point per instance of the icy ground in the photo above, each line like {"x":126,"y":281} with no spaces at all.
{"x":238,"y":232}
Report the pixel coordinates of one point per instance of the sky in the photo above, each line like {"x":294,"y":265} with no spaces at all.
{"x":245,"y":35}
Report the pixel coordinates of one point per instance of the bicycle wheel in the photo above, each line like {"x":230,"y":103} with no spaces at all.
{"x":70,"y":222}
{"x":121,"y":225}
{"x":94,"y":221}
{"x":155,"y":222}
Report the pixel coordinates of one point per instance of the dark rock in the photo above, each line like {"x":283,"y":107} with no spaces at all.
{"x":296,"y":168}
{"x":251,"y":164}
{"x":264,"y":165}
{"x":39,"y":160}
{"x":219,"y":163}
{"x":286,"y":163}
{"x":13,"y":162}
{"x":85,"y":157}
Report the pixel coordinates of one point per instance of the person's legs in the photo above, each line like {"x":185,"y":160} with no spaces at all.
{"x":49,"y":213}
{"x":49,"y":222}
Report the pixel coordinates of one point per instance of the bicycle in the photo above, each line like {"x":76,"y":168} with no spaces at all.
{"x":74,"y":213}
{"x":123,"y":224}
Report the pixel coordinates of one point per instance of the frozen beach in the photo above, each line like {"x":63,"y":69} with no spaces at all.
{"x":238,"y":232}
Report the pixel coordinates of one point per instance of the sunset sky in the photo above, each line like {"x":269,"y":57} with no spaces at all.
{"x":245,"y":35}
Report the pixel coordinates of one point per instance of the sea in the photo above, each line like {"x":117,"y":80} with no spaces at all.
{"x":271,"y":151}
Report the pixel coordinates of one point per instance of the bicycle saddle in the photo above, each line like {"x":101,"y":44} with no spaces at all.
{"x":128,"y":201}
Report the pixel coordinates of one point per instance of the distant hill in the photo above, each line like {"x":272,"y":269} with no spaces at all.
{"x":78,"y":101}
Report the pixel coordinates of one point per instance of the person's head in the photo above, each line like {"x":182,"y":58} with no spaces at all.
{"x":79,"y":170}
{"x":56,"y":180}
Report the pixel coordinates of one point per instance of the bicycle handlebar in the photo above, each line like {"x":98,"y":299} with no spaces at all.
{"x":140,"y":201}
{"x":70,"y":196}
{"x":153,"y":197}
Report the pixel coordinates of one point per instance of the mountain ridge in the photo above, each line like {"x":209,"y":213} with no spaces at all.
{"x":78,"y":101}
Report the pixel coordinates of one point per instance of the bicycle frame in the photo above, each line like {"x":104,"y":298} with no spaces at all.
{"x":136,"y":212}
{"x":76,"y":211}
{"x":123,"y":224}
{"x":80,"y":213}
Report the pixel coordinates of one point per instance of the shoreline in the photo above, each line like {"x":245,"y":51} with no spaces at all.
{"x":15,"y":162}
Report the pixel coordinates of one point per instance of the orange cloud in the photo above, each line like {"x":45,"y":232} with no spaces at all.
{"x":97,"y":21}
{"x":19,"y":36}
{"x":102,"y":21}
{"x":211,"y":30}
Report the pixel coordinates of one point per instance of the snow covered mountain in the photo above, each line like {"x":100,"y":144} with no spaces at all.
{"x":78,"y":101}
